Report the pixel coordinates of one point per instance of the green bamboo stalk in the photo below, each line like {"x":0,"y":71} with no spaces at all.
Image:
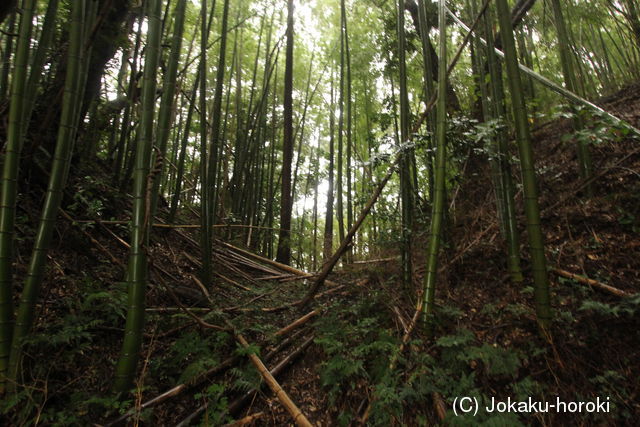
{"x":584,"y":155}
{"x":216,"y":119}
{"x":406,"y":190}
{"x":347,"y":51}
{"x":9,"y":182}
{"x":437,"y":210}
{"x":37,"y":64}
{"x":183,"y":153}
{"x":497,"y":107}
{"x":166,"y":114}
{"x":125,"y":130}
{"x":328,"y":221}
{"x":429,"y":89}
{"x":205,"y":211}
{"x":532,"y":209}
{"x":6,"y":58}
{"x":340,"y":155}
{"x":137,"y":267}
{"x":72,"y":99}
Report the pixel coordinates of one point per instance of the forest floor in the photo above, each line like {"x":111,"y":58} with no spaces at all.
{"x":336,"y":364}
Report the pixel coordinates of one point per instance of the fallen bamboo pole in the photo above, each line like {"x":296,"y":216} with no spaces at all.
{"x":276,"y":264}
{"x":163,"y":225}
{"x":299,"y":322}
{"x":174,"y":391}
{"x":281,"y":266}
{"x":236,"y":405}
{"x":297,"y":415}
{"x":375,"y":261}
{"x":227,"y":363}
{"x":591,"y":282}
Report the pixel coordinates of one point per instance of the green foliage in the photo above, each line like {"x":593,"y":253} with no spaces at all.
{"x":197,"y":367}
{"x":628,"y":219}
{"x":357,"y":347}
{"x":190,"y":355}
{"x":245,"y":351}
{"x":89,"y":198}
{"x":245,"y":379}
{"x":69,"y":338}
{"x":626,"y":307}
{"x":600,"y":129}
{"x":216,"y":402}
{"x":615,"y":385}
{"x":496,"y":360}
{"x":84,"y":316}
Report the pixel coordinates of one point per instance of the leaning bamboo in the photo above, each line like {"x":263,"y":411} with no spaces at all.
{"x":551,"y":85}
{"x":276,"y":264}
{"x":62,"y":157}
{"x":299,"y":322}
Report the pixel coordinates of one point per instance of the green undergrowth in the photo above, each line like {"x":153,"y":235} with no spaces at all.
{"x":359,"y":339}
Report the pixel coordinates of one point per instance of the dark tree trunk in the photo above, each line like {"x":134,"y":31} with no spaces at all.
{"x":284,"y":241}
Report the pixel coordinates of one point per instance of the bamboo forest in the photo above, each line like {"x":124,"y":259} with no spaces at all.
{"x":320,"y":212}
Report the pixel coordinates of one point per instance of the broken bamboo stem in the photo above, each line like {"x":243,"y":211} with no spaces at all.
{"x":281,"y":266}
{"x":375,"y":261}
{"x":297,"y":415}
{"x":299,"y":322}
{"x":591,"y":282}
{"x":236,"y":405}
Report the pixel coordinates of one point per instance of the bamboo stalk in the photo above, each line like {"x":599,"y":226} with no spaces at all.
{"x":375,"y":261}
{"x":591,"y":282}
{"x":527,"y":166}
{"x":330,"y":264}
{"x":234,"y":406}
{"x":297,"y":415}
{"x":301,"y":321}
{"x":67,"y":132}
